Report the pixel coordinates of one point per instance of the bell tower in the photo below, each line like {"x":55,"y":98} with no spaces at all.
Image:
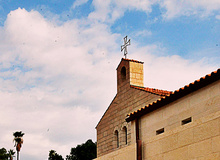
{"x":129,"y":72}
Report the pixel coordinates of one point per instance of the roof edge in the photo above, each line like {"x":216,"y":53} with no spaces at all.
{"x":159,"y":92}
{"x":187,"y":89}
{"x":106,"y":110}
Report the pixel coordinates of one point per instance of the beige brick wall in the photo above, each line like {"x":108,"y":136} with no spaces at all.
{"x":114,"y":118}
{"x":196,"y":140}
{"x":127,"y":100}
{"x":195,"y":105}
{"x":199,"y":139}
{"x":126,"y":153}
{"x":136,"y":74}
{"x":181,"y":143}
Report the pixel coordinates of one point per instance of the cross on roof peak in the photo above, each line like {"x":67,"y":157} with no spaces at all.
{"x":124,"y":46}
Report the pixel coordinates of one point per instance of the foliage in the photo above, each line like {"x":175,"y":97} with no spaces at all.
{"x":18,"y":140}
{"x":18,"y":134}
{"x":54,"y":156}
{"x":11,"y":154}
{"x":86,"y":151}
{"x":4,"y":155}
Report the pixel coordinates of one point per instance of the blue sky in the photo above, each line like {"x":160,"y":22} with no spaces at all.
{"x":181,"y":35}
{"x":58,"y":61}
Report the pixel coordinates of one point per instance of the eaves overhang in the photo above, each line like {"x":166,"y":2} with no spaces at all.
{"x":192,"y":87}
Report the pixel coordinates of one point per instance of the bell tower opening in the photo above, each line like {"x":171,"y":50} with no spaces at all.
{"x":123,"y":74}
{"x":129,"y":72}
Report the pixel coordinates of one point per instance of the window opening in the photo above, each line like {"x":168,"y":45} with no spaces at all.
{"x":125,"y":135}
{"x":188,"y":120}
{"x":160,"y":131}
{"x":123,"y":74}
{"x":117,"y":138}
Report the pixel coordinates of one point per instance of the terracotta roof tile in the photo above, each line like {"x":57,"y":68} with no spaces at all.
{"x":202,"y":82}
{"x":153,"y":90}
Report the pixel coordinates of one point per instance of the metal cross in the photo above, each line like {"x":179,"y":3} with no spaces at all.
{"x":124,"y":47}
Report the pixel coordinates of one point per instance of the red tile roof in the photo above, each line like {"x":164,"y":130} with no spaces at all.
{"x":194,"y":86}
{"x":152,"y":90}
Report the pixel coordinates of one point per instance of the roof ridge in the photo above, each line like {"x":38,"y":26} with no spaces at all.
{"x":153,"y":90}
{"x":191,"y":87}
{"x":198,"y":80}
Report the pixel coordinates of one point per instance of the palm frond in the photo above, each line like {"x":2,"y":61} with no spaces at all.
{"x":18,"y":134}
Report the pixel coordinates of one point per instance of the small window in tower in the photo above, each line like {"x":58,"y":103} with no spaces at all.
{"x":123,"y":73}
{"x":187,"y":120}
{"x":160,"y":131}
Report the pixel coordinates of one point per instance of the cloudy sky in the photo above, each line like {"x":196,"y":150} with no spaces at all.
{"x":58,"y":61}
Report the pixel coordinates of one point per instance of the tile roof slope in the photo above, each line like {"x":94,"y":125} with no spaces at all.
{"x":202,"y":82}
{"x":153,"y":90}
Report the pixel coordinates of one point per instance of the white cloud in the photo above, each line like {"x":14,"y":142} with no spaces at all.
{"x":169,"y":72}
{"x":52,"y":78}
{"x":78,"y":3}
{"x":57,"y":80}
{"x":143,"y":33}
{"x":200,"y":8}
{"x":110,"y":10}
{"x":217,"y":17}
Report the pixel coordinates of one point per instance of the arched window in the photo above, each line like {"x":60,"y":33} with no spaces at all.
{"x":125,"y":132}
{"x":123,"y":74}
{"x":117,"y":138}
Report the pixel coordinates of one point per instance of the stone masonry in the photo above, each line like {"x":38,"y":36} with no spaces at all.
{"x":185,"y":128}
{"x":127,"y":99}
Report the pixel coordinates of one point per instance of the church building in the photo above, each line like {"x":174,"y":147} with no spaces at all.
{"x":144,"y":123}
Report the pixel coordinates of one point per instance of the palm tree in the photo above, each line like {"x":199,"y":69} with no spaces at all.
{"x":18,"y":141}
{"x":11,"y":154}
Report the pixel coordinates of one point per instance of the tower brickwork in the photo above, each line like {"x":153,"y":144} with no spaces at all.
{"x":129,"y":72}
{"x":113,"y":132}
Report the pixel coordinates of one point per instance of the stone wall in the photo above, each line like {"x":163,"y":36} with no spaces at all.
{"x":136,"y":74}
{"x":126,"y":153}
{"x":128,"y":100}
{"x":198,"y":139}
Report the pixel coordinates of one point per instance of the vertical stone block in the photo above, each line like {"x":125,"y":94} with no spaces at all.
{"x":152,"y":149}
{"x":206,"y":130}
{"x":156,"y":157}
{"x":178,"y":154}
{"x":200,"y":149}
{"x":216,"y":144}
{"x":169,"y":143}
{"x":185,"y":137}
{"x":136,"y":73}
{"x":213,"y":156}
